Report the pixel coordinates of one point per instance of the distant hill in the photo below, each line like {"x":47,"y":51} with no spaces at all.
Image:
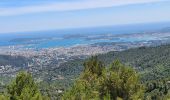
{"x":15,"y":61}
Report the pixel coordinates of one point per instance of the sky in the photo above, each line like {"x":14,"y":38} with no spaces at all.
{"x":39,"y":15}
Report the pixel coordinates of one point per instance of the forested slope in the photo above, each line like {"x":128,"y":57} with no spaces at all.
{"x":15,"y":61}
{"x":152,"y":62}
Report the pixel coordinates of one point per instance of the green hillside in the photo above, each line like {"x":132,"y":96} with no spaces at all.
{"x":152,"y":65}
{"x":151,"y":62}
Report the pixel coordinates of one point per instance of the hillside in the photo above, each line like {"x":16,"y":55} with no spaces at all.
{"x":151,"y":62}
{"x":15,"y":61}
{"x":146,"y":60}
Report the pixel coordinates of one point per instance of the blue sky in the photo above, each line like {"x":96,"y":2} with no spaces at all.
{"x":38,"y":15}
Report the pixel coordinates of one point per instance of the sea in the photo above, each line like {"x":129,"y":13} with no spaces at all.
{"x":76,"y":36}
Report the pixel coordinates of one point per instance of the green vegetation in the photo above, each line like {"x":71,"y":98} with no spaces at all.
{"x":157,"y":90}
{"x":115,"y":81}
{"x":15,"y":61}
{"x":152,"y":63}
{"x":147,"y":78}
{"x":98,"y":82}
{"x":23,"y":88}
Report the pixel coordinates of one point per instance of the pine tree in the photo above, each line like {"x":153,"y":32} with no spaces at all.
{"x":121,"y":82}
{"x":102,"y":83}
{"x":24,"y":88}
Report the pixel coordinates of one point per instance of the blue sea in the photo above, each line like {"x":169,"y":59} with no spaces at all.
{"x":79,"y":36}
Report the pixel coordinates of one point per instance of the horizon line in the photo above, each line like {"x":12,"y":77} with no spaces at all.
{"x":74,"y":28}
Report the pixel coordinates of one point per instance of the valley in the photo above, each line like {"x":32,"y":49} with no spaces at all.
{"x":60,"y":66}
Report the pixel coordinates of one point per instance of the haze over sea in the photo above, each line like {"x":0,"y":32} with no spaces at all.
{"x":72,"y":37}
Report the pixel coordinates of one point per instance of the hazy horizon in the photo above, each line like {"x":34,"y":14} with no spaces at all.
{"x":138,"y":27}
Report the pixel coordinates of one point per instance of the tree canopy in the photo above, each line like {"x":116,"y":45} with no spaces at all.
{"x":23,"y":88}
{"x":98,"y":82}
